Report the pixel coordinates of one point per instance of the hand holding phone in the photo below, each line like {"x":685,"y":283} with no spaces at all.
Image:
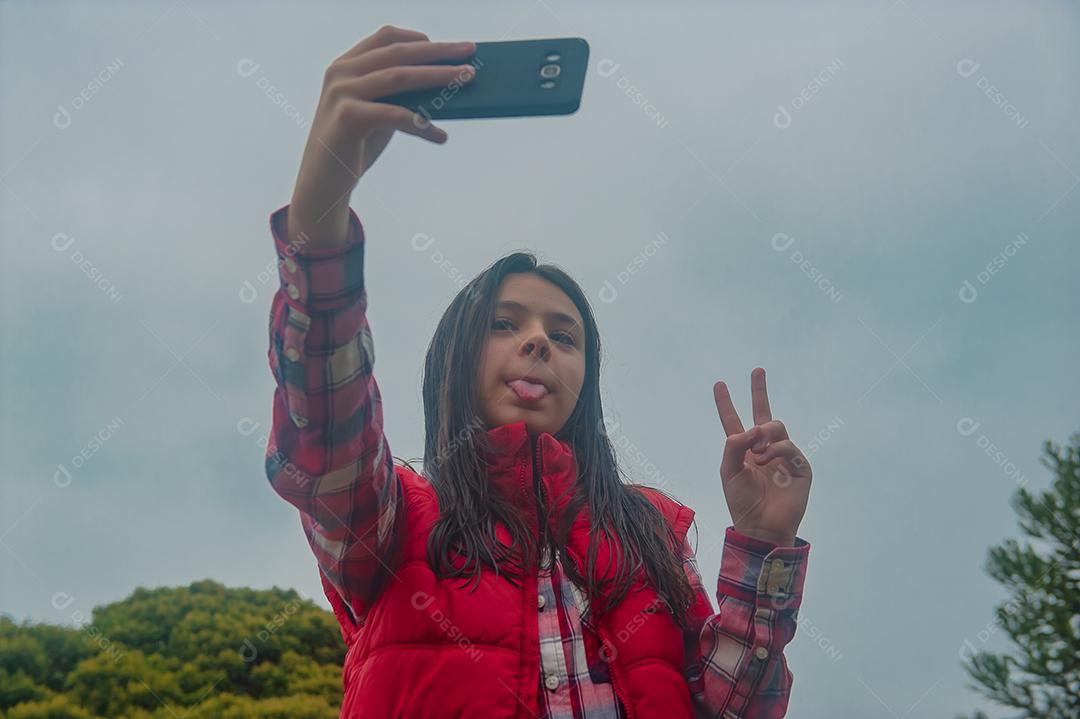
{"x":514,"y":78}
{"x":350,"y":129}
{"x":397,"y":79}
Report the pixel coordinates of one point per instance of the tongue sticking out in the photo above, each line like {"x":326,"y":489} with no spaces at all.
{"x":528,"y":390}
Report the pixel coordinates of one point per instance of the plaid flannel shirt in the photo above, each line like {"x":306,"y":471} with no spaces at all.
{"x":328,"y":457}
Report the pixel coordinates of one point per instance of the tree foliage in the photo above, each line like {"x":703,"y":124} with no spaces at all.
{"x":1040,"y":677}
{"x":203,"y":651}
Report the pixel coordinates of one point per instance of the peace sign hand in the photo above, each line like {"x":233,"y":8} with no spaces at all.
{"x":766,"y":477}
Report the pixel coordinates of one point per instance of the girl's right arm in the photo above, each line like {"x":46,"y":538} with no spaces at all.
{"x":327,"y":453}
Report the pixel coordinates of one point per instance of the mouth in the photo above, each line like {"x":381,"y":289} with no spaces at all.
{"x":529,"y":389}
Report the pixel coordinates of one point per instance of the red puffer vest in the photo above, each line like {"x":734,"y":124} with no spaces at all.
{"x":430,"y":648}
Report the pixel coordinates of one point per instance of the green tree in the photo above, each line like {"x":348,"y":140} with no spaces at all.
{"x":55,"y":707}
{"x":1041,"y":675}
{"x":202,"y":651}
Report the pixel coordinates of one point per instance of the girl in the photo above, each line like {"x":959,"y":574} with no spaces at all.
{"x":515,"y":575}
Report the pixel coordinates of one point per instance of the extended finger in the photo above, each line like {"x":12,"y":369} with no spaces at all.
{"x":382,"y":37}
{"x":419,"y":52}
{"x":392,"y":80}
{"x":728,"y":416}
{"x":760,"y":396}
{"x":385,"y":115}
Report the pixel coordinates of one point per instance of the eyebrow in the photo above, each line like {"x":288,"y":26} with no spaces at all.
{"x":558,"y":316}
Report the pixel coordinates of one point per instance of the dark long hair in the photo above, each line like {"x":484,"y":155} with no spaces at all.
{"x":469,"y":509}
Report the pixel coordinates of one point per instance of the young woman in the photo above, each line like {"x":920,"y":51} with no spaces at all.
{"x":516,"y":574}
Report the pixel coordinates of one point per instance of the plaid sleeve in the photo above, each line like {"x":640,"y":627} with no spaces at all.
{"x":735,"y":661}
{"x":327,"y":454}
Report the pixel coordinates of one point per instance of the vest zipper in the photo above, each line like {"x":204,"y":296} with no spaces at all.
{"x":627,"y":706}
{"x":538,"y":486}
{"x":537,"y":471}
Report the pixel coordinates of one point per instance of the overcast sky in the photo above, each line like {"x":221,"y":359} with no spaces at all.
{"x":876,"y":202}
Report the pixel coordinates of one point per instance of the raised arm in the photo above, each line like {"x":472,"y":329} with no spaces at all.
{"x":735,"y":661}
{"x":327,"y":455}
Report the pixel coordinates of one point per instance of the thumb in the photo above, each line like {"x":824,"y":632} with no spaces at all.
{"x":735,"y":450}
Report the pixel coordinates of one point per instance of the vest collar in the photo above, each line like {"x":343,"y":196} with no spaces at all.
{"x":507,"y":453}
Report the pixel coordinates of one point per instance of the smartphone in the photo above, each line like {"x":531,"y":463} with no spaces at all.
{"x":514,"y":78}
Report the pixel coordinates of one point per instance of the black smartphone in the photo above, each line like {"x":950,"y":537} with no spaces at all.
{"x":514,"y":78}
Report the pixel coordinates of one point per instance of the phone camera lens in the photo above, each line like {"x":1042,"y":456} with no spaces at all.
{"x":550,"y":70}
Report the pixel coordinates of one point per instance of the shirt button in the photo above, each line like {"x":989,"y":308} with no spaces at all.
{"x":540,"y":601}
{"x":777,"y":564}
{"x":293,"y":292}
{"x":292,"y":354}
{"x":290,"y":265}
{"x":761,"y":653}
{"x":552,"y":683}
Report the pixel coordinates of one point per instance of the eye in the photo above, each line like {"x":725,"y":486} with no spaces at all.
{"x":569,"y":337}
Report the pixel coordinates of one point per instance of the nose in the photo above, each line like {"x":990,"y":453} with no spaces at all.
{"x":538,"y":345}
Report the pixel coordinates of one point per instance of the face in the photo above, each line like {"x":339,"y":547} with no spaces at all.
{"x":536,"y":332}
